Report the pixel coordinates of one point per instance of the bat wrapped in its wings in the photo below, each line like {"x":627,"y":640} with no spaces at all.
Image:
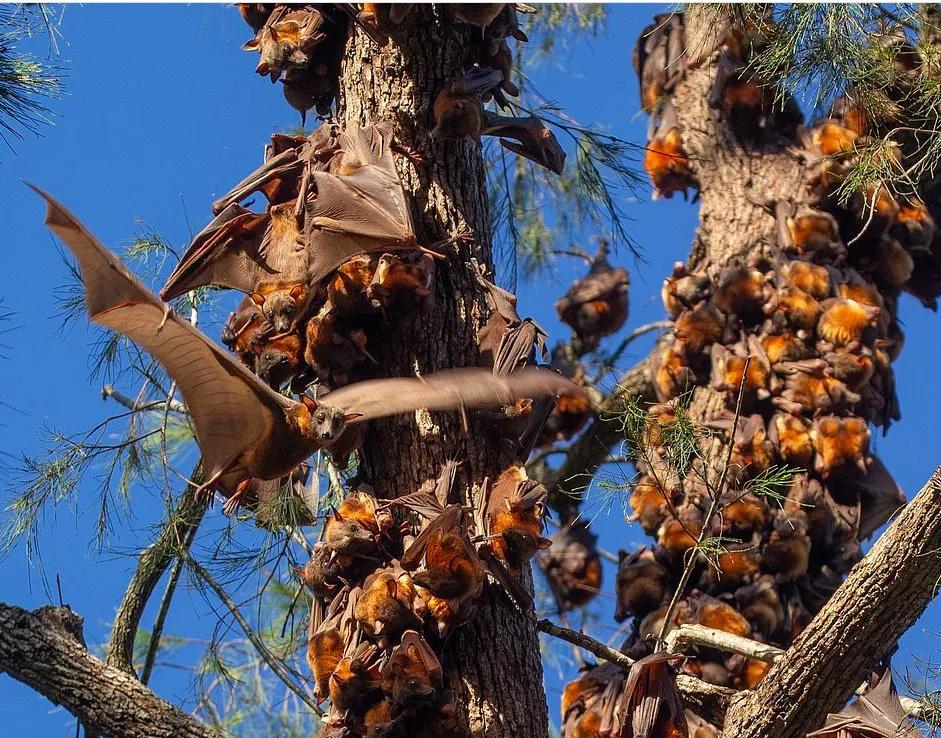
{"x":245,"y":430}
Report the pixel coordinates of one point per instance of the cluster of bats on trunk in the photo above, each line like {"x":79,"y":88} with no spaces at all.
{"x":331,"y":257}
{"x":802,"y":331}
{"x":302,"y":46}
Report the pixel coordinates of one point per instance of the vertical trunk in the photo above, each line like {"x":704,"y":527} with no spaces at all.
{"x":492,"y":663}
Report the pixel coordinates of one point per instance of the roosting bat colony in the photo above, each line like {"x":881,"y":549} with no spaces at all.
{"x":798,"y":337}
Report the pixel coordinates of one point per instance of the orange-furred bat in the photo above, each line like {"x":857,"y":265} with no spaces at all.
{"x":719,"y":614}
{"x":810,"y":278}
{"x":735,"y":565}
{"x":335,"y":346}
{"x":572,"y":565}
{"x":346,"y":289}
{"x":793,"y":308}
{"x":914,"y":226}
{"x":242,"y":329}
{"x":804,"y":231}
{"x":458,"y":108}
{"x":751,"y":450}
{"x":447,"y":570}
{"x":596,"y":305}
{"x":357,"y":526}
{"x":412,"y":676}
{"x":670,"y":372}
{"x":744,"y":516}
{"x":840,"y":443}
{"x":684,"y":289}
{"x":327,"y":640}
{"x":286,"y":39}
{"x":832,"y":139}
{"x":746,"y":673}
{"x":876,"y":714}
{"x":642,"y":584}
{"x":785,"y":346}
{"x":665,"y":160}
{"x":649,"y":503}
{"x":534,"y":141}
{"x":742,"y":291}
{"x":729,"y":369}
{"x":809,"y":387}
{"x":244,"y":428}
{"x":386,"y":607}
{"x":514,"y":512}
{"x":279,"y":359}
{"x":699,"y":327}
{"x":790,"y":435}
{"x":680,"y":532}
{"x":402,"y":283}
{"x":355,"y":681}
{"x":787,"y":552}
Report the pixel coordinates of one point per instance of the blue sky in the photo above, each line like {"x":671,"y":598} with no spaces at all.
{"x":162,"y":114}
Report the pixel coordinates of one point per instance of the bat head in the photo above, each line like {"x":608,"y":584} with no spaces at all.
{"x":318,"y":421}
{"x":282,"y":307}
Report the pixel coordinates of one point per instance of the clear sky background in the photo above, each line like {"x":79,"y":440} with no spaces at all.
{"x":163,"y":114}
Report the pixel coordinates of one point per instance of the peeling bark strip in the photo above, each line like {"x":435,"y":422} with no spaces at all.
{"x":881,"y":598}
{"x":45,"y":650}
{"x":492,"y":663}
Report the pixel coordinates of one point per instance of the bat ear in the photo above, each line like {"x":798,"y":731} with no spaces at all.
{"x":543,"y":543}
{"x":250,"y":45}
{"x":309,"y":402}
{"x":257,"y":298}
{"x":391,"y":588}
{"x":297,"y":291}
{"x":351,"y":416}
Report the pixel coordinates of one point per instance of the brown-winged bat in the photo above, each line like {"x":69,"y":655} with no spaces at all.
{"x":244,"y":429}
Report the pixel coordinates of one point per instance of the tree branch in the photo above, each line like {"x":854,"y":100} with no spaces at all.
{"x":859,"y":626}
{"x":708,"y":700}
{"x":45,"y":650}
{"x":151,"y":565}
{"x":680,"y":638}
{"x":595,"y":443}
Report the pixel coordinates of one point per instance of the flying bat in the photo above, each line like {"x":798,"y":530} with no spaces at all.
{"x":246,"y":430}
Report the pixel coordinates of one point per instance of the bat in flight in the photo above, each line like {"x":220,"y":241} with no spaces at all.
{"x":246,"y":430}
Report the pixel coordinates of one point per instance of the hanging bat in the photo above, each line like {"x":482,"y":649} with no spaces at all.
{"x":315,"y":86}
{"x":808,"y":388}
{"x":784,"y":346}
{"x":508,"y":342}
{"x":803,"y":231}
{"x":914,"y":226}
{"x":572,"y":565}
{"x":742,"y":291}
{"x":335,"y":346}
{"x":649,"y":503}
{"x":680,"y":530}
{"x":840,"y":443}
{"x":641,"y":586}
{"x":255,"y":14}
{"x":761,"y":604}
{"x":243,"y":328}
{"x":730,"y":369}
{"x":412,"y":676}
{"x":328,"y":639}
{"x":355,"y":681}
{"x":876,"y":714}
{"x":245,"y":429}
{"x":286,"y":39}
{"x":684,"y":289}
{"x":880,"y":498}
{"x":721,"y":615}
{"x":357,"y":527}
{"x":658,"y":59}
{"x":514,"y":510}
{"x":665,"y":159}
{"x":812,"y":279}
{"x":790,"y":435}
{"x":402,"y":283}
{"x":453,"y":575}
{"x":699,"y":328}
{"x":499,"y":56}
{"x":650,"y":704}
{"x":670,"y":372}
{"x":504,"y":25}
{"x":791,"y":307}
{"x":787,"y":552}
{"x":737,"y":564}
{"x":534,"y":141}
{"x":386,"y":607}
{"x":744,"y":516}
{"x":596,"y":305}
{"x":346,"y":289}
{"x":458,"y":107}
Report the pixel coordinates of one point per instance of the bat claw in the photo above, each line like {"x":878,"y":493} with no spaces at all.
{"x":166,"y":314}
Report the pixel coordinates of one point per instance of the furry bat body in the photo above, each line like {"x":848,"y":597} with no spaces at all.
{"x":246,"y":430}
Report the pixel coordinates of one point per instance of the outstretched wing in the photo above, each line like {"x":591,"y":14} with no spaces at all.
{"x":231,"y":408}
{"x":452,"y":389}
{"x":360,"y":211}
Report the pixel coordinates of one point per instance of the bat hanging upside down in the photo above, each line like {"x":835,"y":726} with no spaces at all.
{"x":246,"y":430}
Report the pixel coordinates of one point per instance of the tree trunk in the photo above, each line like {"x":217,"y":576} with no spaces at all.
{"x":492,"y":663}
{"x":857,"y":628}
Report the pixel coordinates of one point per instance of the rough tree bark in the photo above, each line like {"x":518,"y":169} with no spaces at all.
{"x":45,"y":649}
{"x":859,"y":626}
{"x":492,"y":663}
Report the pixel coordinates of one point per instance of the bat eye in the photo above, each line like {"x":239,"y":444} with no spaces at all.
{"x":321,"y":417}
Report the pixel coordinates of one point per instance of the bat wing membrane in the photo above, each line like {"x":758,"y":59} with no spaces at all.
{"x":231,"y":408}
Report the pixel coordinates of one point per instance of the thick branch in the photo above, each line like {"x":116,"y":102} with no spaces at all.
{"x":859,"y":626}
{"x":151,"y":565}
{"x":681,"y":638}
{"x":45,"y":650}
